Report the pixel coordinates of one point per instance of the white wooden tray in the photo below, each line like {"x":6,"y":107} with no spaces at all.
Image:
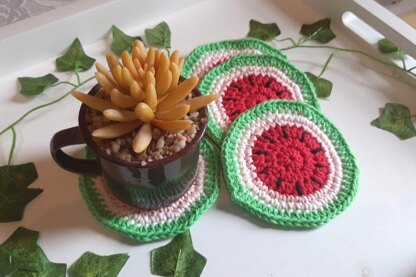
{"x":375,"y":236}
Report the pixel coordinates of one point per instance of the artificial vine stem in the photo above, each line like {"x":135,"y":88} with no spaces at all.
{"x":351,"y":51}
{"x":64,"y":82}
{"x":287,"y":39}
{"x":43,"y":106}
{"x":13,"y":146}
{"x":78,"y":78}
{"x":327,"y":63}
{"x":403,"y":63}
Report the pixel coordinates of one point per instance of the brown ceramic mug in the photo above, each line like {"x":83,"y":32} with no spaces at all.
{"x":152,"y":186}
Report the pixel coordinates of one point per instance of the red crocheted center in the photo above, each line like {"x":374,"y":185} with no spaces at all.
{"x":290,"y":160}
{"x":247,"y":92}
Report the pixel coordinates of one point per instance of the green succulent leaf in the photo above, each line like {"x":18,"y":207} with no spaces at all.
{"x":323,"y":87}
{"x":385,"y":46}
{"x":396,"y":119}
{"x":33,"y":86}
{"x":177,"y":258}
{"x":159,"y":36}
{"x":74,"y":59}
{"x":21,"y":256}
{"x":121,"y":42}
{"x":319,"y":31}
{"x":92,"y":265}
{"x":263,"y":31}
{"x":14,"y":194}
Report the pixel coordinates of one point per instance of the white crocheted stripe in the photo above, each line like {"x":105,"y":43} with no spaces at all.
{"x":247,"y":171}
{"x":221,"y":84}
{"x":146,"y":218}
{"x":210,"y":59}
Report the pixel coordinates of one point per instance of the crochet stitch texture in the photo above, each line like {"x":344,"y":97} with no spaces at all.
{"x":287,"y":164}
{"x":203,"y":58}
{"x":151,"y":225}
{"x":245,"y":81}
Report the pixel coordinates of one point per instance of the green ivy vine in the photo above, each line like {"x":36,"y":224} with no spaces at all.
{"x":395,"y":118}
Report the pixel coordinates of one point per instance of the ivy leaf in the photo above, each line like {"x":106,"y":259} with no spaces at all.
{"x":190,"y":264}
{"x":121,"y":41}
{"x":319,"y":31}
{"x":165,"y":258}
{"x":5,"y":264}
{"x":23,"y":257}
{"x":396,"y":119}
{"x":34,"y":86}
{"x":159,"y":36}
{"x":14,"y":201}
{"x":20,"y":247}
{"x":74,"y":59}
{"x":177,"y":258}
{"x":45,"y":268}
{"x":20,"y":176}
{"x":53,"y":270}
{"x":263,"y":31}
{"x":385,"y":46}
{"x":14,"y":194}
{"x":49,"y":269}
{"x":91,"y":265}
{"x":323,"y":87}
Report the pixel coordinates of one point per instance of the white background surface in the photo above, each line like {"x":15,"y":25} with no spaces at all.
{"x":375,"y":236}
{"x":13,"y":11}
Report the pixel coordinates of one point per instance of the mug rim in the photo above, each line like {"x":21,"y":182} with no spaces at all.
{"x":156,"y":163}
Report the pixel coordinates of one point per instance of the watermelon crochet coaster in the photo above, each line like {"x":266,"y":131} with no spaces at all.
{"x":247,"y":80}
{"x":205,"y":57}
{"x":150,"y":225}
{"x":289,"y":165}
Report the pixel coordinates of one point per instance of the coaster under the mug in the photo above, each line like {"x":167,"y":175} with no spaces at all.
{"x":287,"y":164}
{"x":151,"y":225}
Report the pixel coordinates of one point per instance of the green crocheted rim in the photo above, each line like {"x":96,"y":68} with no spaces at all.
{"x":238,"y":44}
{"x":158,"y":231}
{"x":245,"y":198}
{"x":209,"y":80}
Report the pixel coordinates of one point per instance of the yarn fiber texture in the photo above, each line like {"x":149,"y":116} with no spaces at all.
{"x":151,"y":225}
{"x":287,"y":164}
{"x":245,"y":81}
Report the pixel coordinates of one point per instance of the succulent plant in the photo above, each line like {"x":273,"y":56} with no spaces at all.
{"x":143,"y":91}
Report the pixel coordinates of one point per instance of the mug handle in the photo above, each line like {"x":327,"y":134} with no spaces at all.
{"x":67,"y":137}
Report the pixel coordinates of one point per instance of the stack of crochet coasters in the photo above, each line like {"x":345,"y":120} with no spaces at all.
{"x":150,"y":225}
{"x":283,"y":160}
{"x":205,"y":57}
